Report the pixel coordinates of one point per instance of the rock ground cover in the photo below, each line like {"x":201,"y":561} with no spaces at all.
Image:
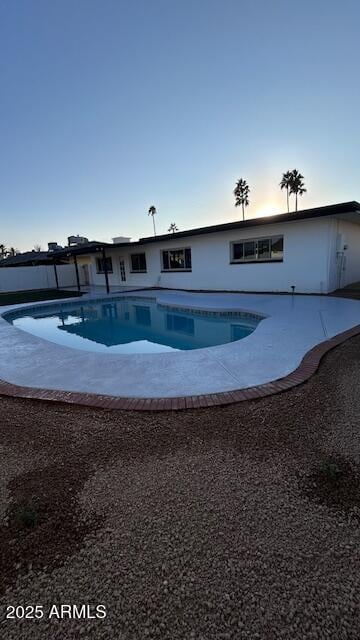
{"x":208,"y":524}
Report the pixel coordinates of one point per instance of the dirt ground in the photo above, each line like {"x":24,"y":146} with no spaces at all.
{"x":236,"y":522}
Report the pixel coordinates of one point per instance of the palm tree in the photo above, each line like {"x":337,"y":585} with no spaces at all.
{"x":297,"y":185}
{"x":3,"y":251}
{"x":241,"y":193}
{"x":152,"y":211}
{"x":12,"y":251}
{"x":286,"y":184}
{"x":173,"y":227}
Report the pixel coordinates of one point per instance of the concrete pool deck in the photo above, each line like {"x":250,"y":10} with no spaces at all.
{"x":284,"y":350}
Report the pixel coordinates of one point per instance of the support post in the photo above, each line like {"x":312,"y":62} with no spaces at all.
{"x":77,"y":273}
{"x":106,"y":272}
{"x":56,"y":276}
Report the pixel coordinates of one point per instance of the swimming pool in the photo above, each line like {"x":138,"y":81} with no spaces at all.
{"x":290,"y":328}
{"x":133,"y":325}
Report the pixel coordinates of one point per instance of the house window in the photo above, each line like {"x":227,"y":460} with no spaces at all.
{"x":277,"y":248}
{"x":258,"y":250}
{"x":263,"y":249}
{"x":249,"y":250}
{"x":100,"y":265}
{"x":138,"y":262}
{"x":176,"y":260}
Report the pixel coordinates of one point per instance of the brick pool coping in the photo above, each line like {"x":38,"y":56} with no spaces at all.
{"x":303,"y":372}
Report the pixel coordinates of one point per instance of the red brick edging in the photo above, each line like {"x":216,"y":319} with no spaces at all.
{"x":304,"y":371}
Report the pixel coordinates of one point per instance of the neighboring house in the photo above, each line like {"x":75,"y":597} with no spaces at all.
{"x":314,"y":250}
{"x":27,"y":259}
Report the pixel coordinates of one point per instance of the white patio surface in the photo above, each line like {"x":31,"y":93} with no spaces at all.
{"x":98,"y":289}
{"x":293,"y":325}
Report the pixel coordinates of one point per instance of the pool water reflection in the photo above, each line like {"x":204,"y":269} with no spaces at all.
{"x":132,"y":325}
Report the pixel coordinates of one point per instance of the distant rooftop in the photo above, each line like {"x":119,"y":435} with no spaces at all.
{"x":29,"y":258}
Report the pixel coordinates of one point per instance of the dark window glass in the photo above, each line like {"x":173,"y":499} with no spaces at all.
{"x":176,"y":259}
{"x":142,"y":259}
{"x":165,"y":257}
{"x":188,"y":258}
{"x":238,"y":251}
{"x":264,"y":249}
{"x":138,"y":262}
{"x":249,"y":250}
{"x":277,"y":248}
{"x":258,"y":250}
{"x":100,"y":265}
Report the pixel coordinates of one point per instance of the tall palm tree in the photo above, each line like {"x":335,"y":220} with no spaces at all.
{"x":285,"y":184}
{"x":152,"y":211}
{"x":241,"y":193}
{"x":297,"y":185}
{"x":173,"y":227}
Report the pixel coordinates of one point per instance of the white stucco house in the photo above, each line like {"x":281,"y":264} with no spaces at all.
{"x":314,"y":250}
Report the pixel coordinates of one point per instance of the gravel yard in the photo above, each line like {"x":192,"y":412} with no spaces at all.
{"x":208,"y":524}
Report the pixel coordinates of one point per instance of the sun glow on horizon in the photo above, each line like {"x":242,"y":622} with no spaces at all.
{"x":267,"y":210}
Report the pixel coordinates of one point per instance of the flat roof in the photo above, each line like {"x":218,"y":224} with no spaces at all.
{"x":304,"y":214}
{"x":352,"y":207}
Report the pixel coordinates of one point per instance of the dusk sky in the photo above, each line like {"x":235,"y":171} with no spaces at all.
{"x":108,"y":107}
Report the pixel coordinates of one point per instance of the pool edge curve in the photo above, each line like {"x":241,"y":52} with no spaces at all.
{"x":307,"y":367}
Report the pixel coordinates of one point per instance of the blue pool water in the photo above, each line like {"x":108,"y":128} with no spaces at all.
{"x":132,"y":325}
